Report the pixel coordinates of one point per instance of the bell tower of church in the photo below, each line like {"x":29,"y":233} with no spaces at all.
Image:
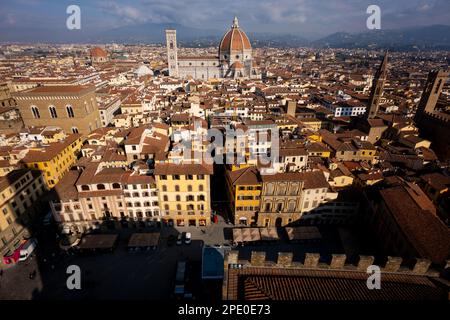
{"x":377,"y":89}
{"x":172,"y":55}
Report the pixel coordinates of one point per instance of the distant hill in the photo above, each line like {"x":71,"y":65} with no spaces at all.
{"x":435,"y":37}
{"x":154,"y":33}
{"x":429,"y":37}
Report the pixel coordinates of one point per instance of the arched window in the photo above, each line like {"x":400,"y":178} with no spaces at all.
{"x":100,"y":187}
{"x":189,"y":188}
{"x":74,"y":130}
{"x":269,"y":189}
{"x":116,"y":185}
{"x":85,"y":188}
{"x":53,"y":113}
{"x":70,"y":113}
{"x":35,"y":111}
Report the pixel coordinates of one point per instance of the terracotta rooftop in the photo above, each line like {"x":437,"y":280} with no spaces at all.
{"x":312,"y":285}
{"x":69,"y":89}
{"x":425,"y":231}
{"x":47,"y":153}
{"x":183,"y":169}
{"x":246,"y":176}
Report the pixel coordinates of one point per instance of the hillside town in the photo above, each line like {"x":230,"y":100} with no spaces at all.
{"x":245,"y":163}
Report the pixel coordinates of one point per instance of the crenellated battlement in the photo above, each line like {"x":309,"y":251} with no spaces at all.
{"x":338,"y":263}
{"x":441,"y":117}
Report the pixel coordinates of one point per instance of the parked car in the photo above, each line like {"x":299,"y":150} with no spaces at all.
{"x":180,"y":239}
{"x":27,"y":249}
{"x":187,"y":238}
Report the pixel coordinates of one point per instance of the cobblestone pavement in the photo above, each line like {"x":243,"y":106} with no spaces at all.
{"x":118,"y":275}
{"x":133,"y":275}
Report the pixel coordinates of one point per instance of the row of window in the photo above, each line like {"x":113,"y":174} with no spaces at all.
{"x":116,"y":185}
{"x":74,"y":217}
{"x":144,"y":194}
{"x":189,"y":207}
{"x":20,"y":183}
{"x":248,"y":198}
{"x":279,"y":207}
{"x":281,"y":191}
{"x":52,"y":110}
{"x":362,"y":153}
{"x":26,"y":203}
{"x":247,"y":208}
{"x":242,"y":188}
{"x":189,"y":188}
{"x":186,"y":177}
{"x":188,"y":198}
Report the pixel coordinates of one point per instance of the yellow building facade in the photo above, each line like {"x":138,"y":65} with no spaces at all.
{"x":55,"y":159}
{"x":244,"y":191}
{"x":20,"y":191}
{"x":184,"y":193}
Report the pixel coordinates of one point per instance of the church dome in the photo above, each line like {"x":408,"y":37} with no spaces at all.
{"x":98,"y":53}
{"x":143,"y":71}
{"x":234,"y":40}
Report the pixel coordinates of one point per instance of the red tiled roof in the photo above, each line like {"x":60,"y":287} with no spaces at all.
{"x":236,"y":40}
{"x":323,"y":285}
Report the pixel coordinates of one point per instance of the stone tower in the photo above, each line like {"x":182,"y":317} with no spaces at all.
{"x":433,"y":88}
{"x":377,"y":89}
{"x":172,"y":57}
{"x":291,"y":108}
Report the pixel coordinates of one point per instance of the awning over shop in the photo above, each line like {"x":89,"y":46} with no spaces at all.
{"x":149,"y":239}
{"x":98,"y":241}
{"x":303,"y":233}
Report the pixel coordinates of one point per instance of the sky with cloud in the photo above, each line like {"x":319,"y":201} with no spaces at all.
{"x":309,"y":18}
